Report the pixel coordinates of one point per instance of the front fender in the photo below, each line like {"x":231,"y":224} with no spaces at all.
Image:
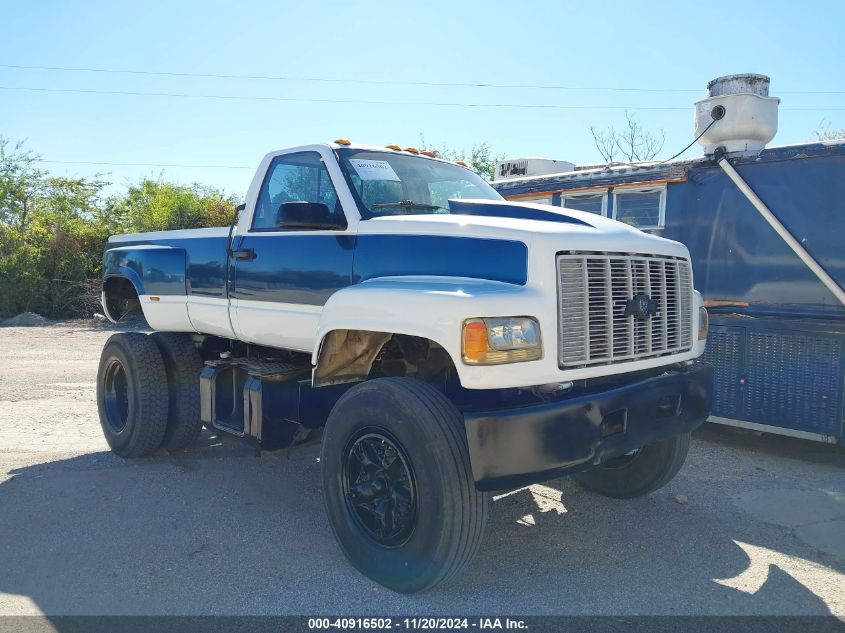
{"x":429,"y":307}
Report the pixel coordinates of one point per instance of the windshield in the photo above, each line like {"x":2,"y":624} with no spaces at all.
{"x":389,"y":183}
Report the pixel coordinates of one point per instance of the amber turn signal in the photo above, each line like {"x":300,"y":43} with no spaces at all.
{"x":475,"y":341}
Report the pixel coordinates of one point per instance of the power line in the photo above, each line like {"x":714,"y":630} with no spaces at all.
{"x":182,"y":95}
{"x":110,"y":164}
{"x":536,"y":106}
{"x":380,"y":82}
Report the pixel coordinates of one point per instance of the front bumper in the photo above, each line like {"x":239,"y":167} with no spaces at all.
{"x":516,"y":447}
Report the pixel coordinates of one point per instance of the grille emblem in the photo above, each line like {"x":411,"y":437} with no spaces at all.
{"x":641,"y":307}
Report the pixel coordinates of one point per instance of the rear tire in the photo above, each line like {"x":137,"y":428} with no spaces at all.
{"x":132,"y":394}
{"x":398,"y":486}
{"x":183,"y":365}
{"x":629,"y":476}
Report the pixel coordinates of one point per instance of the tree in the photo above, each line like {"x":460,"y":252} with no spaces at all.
{"x":825,"y":133}
{"x":480,"y":158}
{"x":154,"y":205}
{"x":20,"y":182}
{"x":632,"y":143}
{"x":53,"y":230}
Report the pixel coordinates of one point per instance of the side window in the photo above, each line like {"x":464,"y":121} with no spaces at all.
{"x":593,"y":202}
{"x":643,"y":208}
{"x":300,"y":177}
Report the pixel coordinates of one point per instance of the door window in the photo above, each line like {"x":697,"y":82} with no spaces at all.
{"x":300,"y":177}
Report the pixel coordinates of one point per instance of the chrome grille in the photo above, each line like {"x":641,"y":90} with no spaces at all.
{"x":593,"y":293}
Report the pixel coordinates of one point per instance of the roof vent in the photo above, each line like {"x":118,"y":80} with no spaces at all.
{"x":527,"y":167}
{"x":746,"y":117}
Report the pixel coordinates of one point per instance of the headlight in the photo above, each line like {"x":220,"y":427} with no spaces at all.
{"x":703,"y":323}
{"x":490,"y":341}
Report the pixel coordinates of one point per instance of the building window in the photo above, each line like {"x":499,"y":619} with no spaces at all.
{"x":644,"y":208}
{"x":592,"y":202}
{"x":538,"y":200}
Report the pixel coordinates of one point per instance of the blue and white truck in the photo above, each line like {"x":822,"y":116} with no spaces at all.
{"x":439,"y":341}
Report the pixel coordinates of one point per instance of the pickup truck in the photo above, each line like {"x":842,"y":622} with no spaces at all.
{"x":437,"y":341}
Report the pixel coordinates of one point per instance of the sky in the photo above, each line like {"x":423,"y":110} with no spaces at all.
{"x":371,"y":67}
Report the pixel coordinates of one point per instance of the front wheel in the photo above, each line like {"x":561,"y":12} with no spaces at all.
{"x":398,"y":485}
{"x":638,"y":473}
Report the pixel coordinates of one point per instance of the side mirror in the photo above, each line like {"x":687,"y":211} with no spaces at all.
{"x":308,"y":215}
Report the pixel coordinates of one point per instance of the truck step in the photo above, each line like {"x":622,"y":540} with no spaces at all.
{"x":264,"y":369}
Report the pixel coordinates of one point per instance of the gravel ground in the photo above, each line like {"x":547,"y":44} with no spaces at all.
{"x":752,"y":524}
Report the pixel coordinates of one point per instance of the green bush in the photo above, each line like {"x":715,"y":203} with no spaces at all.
{"x":53,"y":230}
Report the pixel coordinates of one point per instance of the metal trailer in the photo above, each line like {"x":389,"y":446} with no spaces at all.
{"x":773,"y":286}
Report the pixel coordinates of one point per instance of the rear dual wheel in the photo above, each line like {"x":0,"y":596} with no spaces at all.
{"x":132,"y":394}
{"x":148,"y":392}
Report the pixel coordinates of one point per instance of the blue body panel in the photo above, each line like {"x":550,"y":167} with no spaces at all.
{"x":496,"y":210}
{"x":155,"y":271}
{"x":194,"y":266}
{"x":291,"y":268}
{"x":308,"y":269}
{"x":389,"y":255}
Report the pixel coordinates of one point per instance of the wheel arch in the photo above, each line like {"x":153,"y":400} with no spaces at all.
{"x":121,"y":295}
{"x":378,"y":311}
{"x":349,"y":355}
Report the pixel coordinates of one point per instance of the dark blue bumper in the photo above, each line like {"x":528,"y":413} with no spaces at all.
{"x":524,"y":445}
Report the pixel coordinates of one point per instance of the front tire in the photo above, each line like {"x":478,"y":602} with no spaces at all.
{"x":630,"y":476}
{"x":132,"y":394}
{"x":398,"y":484}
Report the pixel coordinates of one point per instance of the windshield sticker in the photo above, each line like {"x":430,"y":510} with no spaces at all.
{"x":374,"y":169}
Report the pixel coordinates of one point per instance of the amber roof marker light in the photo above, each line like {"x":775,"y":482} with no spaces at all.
{"x":343,"y":141}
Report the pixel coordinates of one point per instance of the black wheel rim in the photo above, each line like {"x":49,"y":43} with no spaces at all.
{"x":379,"y":487}
{"x":116,"y":395}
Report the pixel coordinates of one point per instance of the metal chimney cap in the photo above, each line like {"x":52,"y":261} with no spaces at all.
{"x":744,"y":83}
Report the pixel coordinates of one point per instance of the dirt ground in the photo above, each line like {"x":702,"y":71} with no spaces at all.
{"x":752,"y":524}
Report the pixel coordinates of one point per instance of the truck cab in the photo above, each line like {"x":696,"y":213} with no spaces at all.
{"x":438,"y":340}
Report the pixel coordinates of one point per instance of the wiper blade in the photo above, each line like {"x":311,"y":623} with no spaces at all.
{"x":405,"y":204}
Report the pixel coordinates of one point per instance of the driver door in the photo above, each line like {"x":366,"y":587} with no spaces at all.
{"x":281,"y":279}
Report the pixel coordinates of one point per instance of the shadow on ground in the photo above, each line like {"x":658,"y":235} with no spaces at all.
{"x":218,"y":530}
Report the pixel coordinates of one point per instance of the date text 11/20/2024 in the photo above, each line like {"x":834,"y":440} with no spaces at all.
{"x":417,"y":623}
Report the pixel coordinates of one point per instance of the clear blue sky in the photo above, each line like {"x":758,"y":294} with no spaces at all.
{"x":594,"y":44}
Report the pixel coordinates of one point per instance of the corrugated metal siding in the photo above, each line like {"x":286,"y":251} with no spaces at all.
{"x":725,"y":351}
{"x":795,"y":379}
{"x":778,"y":376}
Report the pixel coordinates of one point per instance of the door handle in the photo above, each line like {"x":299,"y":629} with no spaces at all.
{"x":245,"y":254}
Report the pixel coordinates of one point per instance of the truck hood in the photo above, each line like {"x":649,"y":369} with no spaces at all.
{"x":540,"y":225}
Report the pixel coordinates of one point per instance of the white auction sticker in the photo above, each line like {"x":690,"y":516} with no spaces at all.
{"x":374,"y":169}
